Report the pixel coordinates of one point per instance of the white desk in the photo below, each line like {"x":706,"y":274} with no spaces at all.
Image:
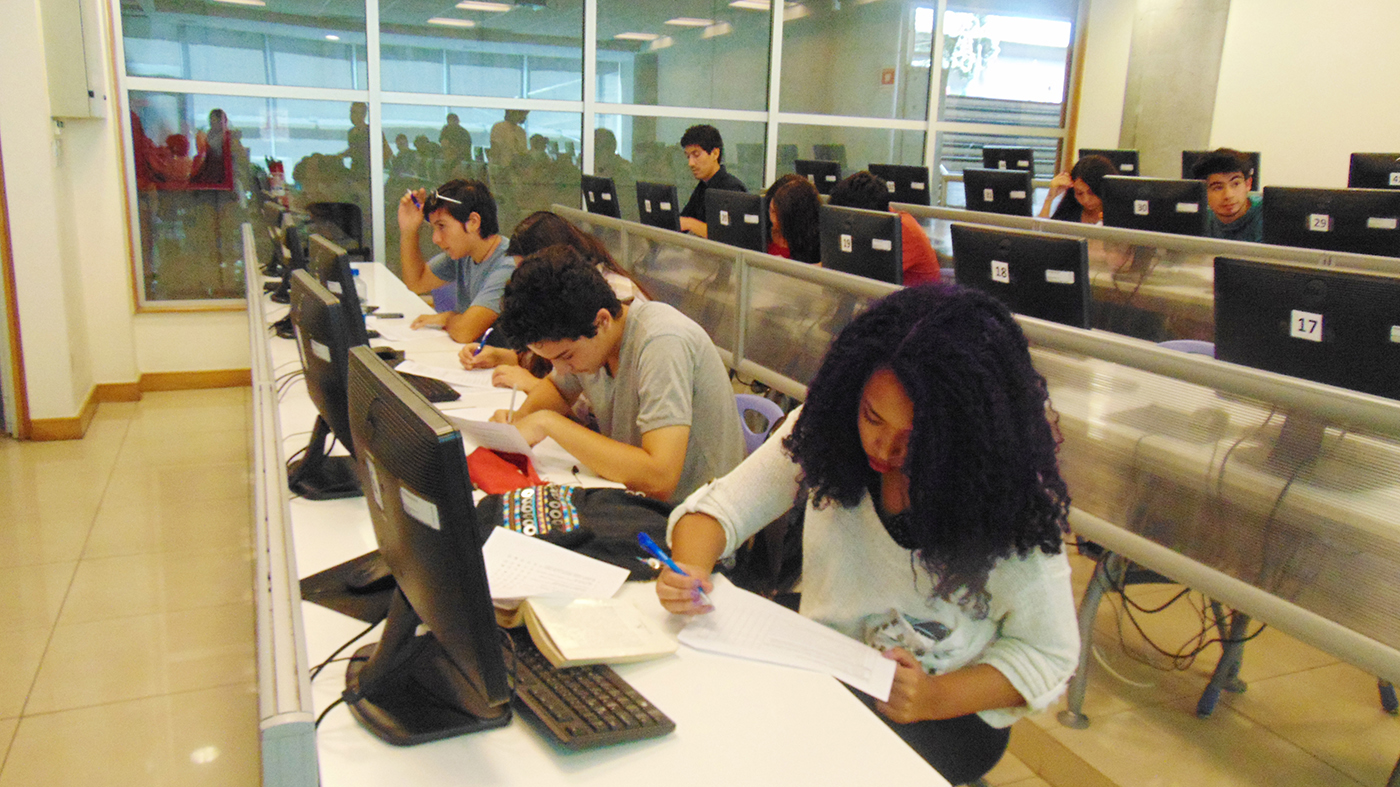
{"x":737,"y":722}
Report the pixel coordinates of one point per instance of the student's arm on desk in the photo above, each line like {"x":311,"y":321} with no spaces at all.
{"x":697,"y":541}
{"x":468,"y":326}
{"x":695,"y":227}
{"x":415,"y":275}
{"x":654,"y":469}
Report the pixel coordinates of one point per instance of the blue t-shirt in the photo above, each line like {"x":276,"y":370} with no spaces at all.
{"x":478,"y":283}
{"x":1249,"y":227}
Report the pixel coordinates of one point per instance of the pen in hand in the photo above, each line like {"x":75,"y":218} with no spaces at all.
{"x":510,"y":414}
{"x":660,"y":554}
{"x":414,"y":197}
{"x":481,"y":343}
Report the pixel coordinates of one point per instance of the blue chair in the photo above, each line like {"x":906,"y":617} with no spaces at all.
{"x":768,"y":410}
{"x":1194,"y":346}
{"x":445,"y":298}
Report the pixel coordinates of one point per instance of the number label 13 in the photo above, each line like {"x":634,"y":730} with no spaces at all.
{"x":1305,"y":325}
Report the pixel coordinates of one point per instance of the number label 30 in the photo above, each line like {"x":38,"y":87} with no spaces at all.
{"x":1305,"y":325}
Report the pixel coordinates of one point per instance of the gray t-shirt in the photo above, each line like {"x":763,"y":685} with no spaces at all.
{"x":478,"y":283}
{"x":668,"y":374}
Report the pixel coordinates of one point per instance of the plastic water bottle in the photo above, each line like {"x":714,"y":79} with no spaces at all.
{"x":361,"y":288}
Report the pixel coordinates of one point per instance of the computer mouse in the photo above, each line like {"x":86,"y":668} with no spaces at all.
{"x":369,"y":576}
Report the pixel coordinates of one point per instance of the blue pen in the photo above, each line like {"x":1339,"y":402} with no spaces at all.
{"x":660,"y":554}
{"x":481,"y":344}
{"x":414,"y":197}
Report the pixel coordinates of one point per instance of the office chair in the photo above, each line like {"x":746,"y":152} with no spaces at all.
{"x":445,"y":298}
{"x":765,"y":409}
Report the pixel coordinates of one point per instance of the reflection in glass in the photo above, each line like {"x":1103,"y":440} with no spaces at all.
{"x":1002,"y":68}
{"x":855,"y":59}
{"x":853,"y":148}
{"x":956,"y":152}
{"x":521,"y":50}
{"x":693,"y":53}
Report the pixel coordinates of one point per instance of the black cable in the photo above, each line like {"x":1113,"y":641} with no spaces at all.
{"x":316,"y":670}
{"x":329,"y":708}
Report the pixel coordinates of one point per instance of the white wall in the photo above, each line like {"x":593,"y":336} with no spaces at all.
{"x":1108,"y":38}
{"x":1307,"y":85}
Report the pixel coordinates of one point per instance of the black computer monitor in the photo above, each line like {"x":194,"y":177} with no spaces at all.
{"x":1374,"y":171}
{"x":863,"y":242}
{"x":736,"y":218}
{"x":1155,"y":204}
{"x":830,"y":151}
{"x":1190,"y":158}
{"x":1358,"y":221}
{"x":657,"y":205}
{"x":1125,"y":161}
{"x":1009,"y":158}
{"x":1007,"y":191}
{"x":823,"y":174}
{"x":907,"y":183}
{"x":1033,"y":273}
{"x":600,"y":196}
{"x":413,"y":688}
{"x":323,"y":342}
{"x":295,"y":261}
{"x":330,"y":264}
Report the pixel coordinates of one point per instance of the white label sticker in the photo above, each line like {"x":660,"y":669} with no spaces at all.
{"x":1319,"y":222}
{"x":1395,"y":334}
{"x":889,"y":184}
{"x":334,"y":287}
{"x":1140,"y":207}
{"x":320,"y":350}
{"x":647,"y":204}
{"x":847,"y":244}
{"x":1001,"y":165}
{"x":1018,"y":195}
{"x":665,"y":206}
{"x":1188,"y":207}
{"x":1379,"y":223}
{"x":1395,"y":178}
{"x":1127,"y":167}
{"x":1059,"y":277}
{"x":1001,"y":272}
{"x":419,"y":509}
{"x":1305,"y":325}
{"x":988,"y":195}
{"x":374,"y":482}
{"x":724,"y":218}
{"x":830,"y":178}
{"x":607,"y":197}
{"x":750,"y":218}
{"x":812,"y":176}
{"x":881,"y":244}
{"x":592,"y":197}
{"x":1023,"y":164}
{"x":920,"y":187}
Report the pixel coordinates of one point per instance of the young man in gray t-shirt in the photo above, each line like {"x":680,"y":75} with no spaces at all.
{"x":666,"y":413}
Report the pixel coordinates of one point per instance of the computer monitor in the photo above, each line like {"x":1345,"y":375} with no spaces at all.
{"x":1009,"y":158}
{"x":1358,"y":221}
{"x":1155,"y":204}
{"x":863,"y":242}
{"x":323,"y":342}
{"x":600,"y":196}
{"x":1007,"y":191}
{"x":657,"y":205}
{"x":296,"y":260}
{"x":1190,"y":158}
{"x":736,"y":218}
{"x":823,"y":174}
{"x":412,"y":688}
{"x":330,"y":264}
{"x":907,"y":183}
{"x":1033,"y":273}
{"x":1374,"y":171}
{"x":1125,"y":161}
{"x":830,"y":151}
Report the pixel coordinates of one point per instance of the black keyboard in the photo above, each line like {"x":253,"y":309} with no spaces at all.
{"x":582,"y":707}
{"x":433,"y":389}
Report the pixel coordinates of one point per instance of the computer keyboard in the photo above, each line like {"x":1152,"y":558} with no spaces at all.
{"x":582,"y":707}
{"x":433,"y":389}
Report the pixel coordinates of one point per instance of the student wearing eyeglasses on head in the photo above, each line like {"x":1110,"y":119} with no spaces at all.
{"x":462,"y":215}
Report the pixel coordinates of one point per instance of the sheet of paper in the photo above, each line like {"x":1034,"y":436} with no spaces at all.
{"x":396,"y":330}
{"x":752,"y":627}
{"x":498,"y":437}
{"x":475,"y":379}
{"x":518,"y":566}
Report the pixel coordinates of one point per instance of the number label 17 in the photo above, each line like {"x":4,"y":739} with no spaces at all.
{"x":1305,"y":325}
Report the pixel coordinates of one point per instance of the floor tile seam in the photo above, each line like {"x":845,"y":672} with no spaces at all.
{"x":251,"y":683}
{"x":198,"y":607}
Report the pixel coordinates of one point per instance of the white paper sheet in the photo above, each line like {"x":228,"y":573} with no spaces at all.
{"x":518,"y":566}
{"x":486,"y":434}
{"x":396,"y":330}
{"x":474,"y":379}
{"x":752,"y":627}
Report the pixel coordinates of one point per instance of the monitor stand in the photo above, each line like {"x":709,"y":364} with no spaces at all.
{"x":1299,"y":443}
{"x":318,"y":476}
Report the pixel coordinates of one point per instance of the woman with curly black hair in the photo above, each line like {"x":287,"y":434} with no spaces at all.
{"x":934,"y":513}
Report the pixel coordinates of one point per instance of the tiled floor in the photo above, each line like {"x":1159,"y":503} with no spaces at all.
{"x":128,"y":657}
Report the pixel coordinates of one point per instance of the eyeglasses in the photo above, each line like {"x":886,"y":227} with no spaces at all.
{"x":434,"y":195}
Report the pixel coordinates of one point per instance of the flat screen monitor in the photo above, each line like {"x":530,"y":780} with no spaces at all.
{"x":907,"y":183}
{"x":600,"y":196}
{"x":862,"y":242}
{"x":412,"y":688}
{"x":823,"y":174}
{"x":1155,"y":204}
{"x":295,"y":261}
{"x":736,"y":218}
{"x":657,"y":205}
{"x":1190,"y":158}
{"x":1007,"y":191}
{"x":1357,"y":221}
{"x":330,"y":264}
{"x":1033,"y":273}
{"x":1125,"y":161}
{"x":830,"y":151}
{"x":1009,"y":158}
{"x":323,"y":342}
{"x":1374,"y":171}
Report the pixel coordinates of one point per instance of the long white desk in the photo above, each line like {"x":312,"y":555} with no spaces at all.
{"x":737,"y":722}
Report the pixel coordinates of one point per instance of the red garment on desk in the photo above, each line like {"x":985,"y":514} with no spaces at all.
{"x":920,"y":260}
{"x":495,"y":473}
{"x":779,"y":251}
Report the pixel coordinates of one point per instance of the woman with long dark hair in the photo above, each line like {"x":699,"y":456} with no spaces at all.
{"x":934,"y":513}
{"x":793,"y":219}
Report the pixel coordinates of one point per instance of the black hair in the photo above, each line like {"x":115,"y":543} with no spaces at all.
{"x":1223,"y":161}
{"x":983,"y":480}
{"x":1092,"y":170}
{"x":471,"y":196}
{"x":861,"y":190}
{"x":555,"y":295}
{"x":706,"y":136}
{"x":798,"y":206}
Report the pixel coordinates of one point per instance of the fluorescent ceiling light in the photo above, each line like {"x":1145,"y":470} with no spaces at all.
{"x":795,"y":11}
{"x":690,"y":21}
{"x":661,"y":43}
{"x":721,"y":29}
{"x":483,"y":5}
{"x":752,"y":5}
{"x":258,"y":3}
{"x":636,"y":36}
{"x":450,"y":22}
{"x":332,"y":37}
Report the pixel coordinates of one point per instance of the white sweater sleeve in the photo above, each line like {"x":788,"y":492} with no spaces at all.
{"x":753,"y":494}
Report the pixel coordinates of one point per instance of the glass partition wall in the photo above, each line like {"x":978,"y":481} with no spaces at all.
{"x":232,"y":104}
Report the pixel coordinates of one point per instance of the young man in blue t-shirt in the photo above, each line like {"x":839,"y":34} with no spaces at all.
{"x":1236,"y":214}
{"x":463,"y":219}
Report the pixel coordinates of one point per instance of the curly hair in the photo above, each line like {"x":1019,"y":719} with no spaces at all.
{"x":983,"y":478}
{"x":555,"y":295}
{"x":798,"y":206}
{"x":864,"y":190}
